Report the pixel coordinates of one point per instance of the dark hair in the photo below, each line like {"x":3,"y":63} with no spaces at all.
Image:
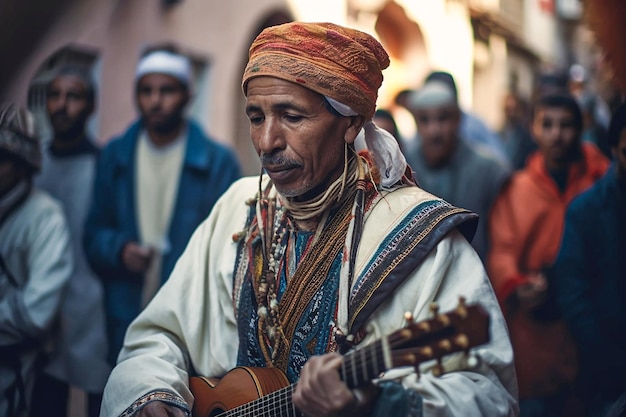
{"x":444,"y":77}
{"x":617,"y":125}
{"x":560,"y":100}
{"x":386,"y":114}
{"x":552,"y":81}
{"x":81,"y":73}
{"x":402,"y":96}
{"x":330,"y":108}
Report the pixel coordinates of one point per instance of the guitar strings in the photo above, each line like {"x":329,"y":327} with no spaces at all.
{"x":363,"y":364}
{"x":266,"y":405}
{"x":358,"y":366}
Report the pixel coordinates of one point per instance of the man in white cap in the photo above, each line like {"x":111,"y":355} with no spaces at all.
{"x":447,"y":166}
{"x":154,"y":184}
{"x":36,"y":262}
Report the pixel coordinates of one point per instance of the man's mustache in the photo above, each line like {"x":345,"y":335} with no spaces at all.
{"x":437,"y":140}
{"x":154,"y":110}
{"x":59,"y":114}
{"x":276,"y":159}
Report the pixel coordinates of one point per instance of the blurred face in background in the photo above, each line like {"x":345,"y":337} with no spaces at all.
{"x":387,"y":124}
{"x":438,"y":129}
{"x":161,"y":100}
{"x":557,"y":136}
{"x":69,"y":105}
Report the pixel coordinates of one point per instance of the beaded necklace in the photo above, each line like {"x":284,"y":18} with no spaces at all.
{"x":276,"y":234}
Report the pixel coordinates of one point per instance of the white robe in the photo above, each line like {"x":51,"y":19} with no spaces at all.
{"x":35,"y":245}
{"x":192,"y":319}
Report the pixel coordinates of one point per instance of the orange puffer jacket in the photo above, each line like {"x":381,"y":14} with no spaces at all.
{"x":526,"y":221}
{"x":526,"y":225}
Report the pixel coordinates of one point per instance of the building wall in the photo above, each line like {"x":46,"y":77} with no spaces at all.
{"x":449,"y":41}
{"x":540,"y":31}
{"x":490,"y":79}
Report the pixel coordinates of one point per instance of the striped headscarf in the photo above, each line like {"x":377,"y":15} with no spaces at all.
{"x":341,"y":63}
{"x":18,"y":136}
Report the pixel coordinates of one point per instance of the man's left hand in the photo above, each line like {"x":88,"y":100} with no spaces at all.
{"x":321,"y":393}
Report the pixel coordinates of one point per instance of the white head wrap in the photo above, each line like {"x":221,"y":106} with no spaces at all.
{"x":384,"y":147}
{"x":432,"y":94}
{"x":163,"y":62}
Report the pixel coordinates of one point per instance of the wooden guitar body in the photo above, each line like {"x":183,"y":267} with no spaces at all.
{"x":239,"y":386}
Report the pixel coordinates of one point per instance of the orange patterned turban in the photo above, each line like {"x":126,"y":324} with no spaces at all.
{"x":338,"y":62}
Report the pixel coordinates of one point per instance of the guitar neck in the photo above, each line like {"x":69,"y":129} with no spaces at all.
{"x":362,"y":365}
{"x":358,"y":368}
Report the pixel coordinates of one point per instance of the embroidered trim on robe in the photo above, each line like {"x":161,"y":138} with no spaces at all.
{"x":401,"y":251}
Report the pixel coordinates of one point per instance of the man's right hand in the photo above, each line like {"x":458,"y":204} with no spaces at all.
{"x":136,"y":258}
{"x":532,"y":294}
{"x":160,"y":409}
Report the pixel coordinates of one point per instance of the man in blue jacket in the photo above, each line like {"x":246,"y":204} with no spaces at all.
{"x":590,"y":279}
{"x":154,"y":184}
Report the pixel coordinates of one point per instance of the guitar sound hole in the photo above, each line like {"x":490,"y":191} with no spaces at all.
{"x":216,"y":412}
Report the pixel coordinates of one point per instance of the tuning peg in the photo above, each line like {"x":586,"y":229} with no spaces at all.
{"x":461,"y":341}
{"x":462,"y":307}
{"x":473,"y":360}
{"x":434,"y":309}
{"x":445,"y":345}
{"x":438,"y":368}
{"x":426,"y":352}
{"x":442,"y":318}
{"x":408,"y":318}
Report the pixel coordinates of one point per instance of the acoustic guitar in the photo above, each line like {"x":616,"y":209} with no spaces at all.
{"x":246,"y":391}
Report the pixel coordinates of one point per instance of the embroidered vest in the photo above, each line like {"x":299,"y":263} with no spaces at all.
{"x":310,"y":327}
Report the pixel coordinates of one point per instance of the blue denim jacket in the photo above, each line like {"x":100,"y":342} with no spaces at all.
{"x":209,"y":168}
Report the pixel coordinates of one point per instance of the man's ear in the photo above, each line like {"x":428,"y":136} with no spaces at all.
{"x":355,"y":126}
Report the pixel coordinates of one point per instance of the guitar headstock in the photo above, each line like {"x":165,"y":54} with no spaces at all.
{"x":458,"y":330}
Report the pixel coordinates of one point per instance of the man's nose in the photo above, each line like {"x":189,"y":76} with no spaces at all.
{"x":270,"y":137}
{"x":60,"y":101}
{"x":434,"y":127}
{"x":155,"y":98}
{"x":555,"y":131}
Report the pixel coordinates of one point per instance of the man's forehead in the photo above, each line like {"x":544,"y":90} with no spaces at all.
{"x":159,"y":79}
{"x":446,"y":108}
{"x":553,"y":112}
{"x":69,"y":80}
{"x":280,"y":92}
{"x":270,"y":85}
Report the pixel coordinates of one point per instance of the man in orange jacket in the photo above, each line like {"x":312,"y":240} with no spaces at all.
{"x":526,"y":225}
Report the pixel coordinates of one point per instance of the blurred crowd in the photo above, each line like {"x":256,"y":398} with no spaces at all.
{"x":88,"y":235}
